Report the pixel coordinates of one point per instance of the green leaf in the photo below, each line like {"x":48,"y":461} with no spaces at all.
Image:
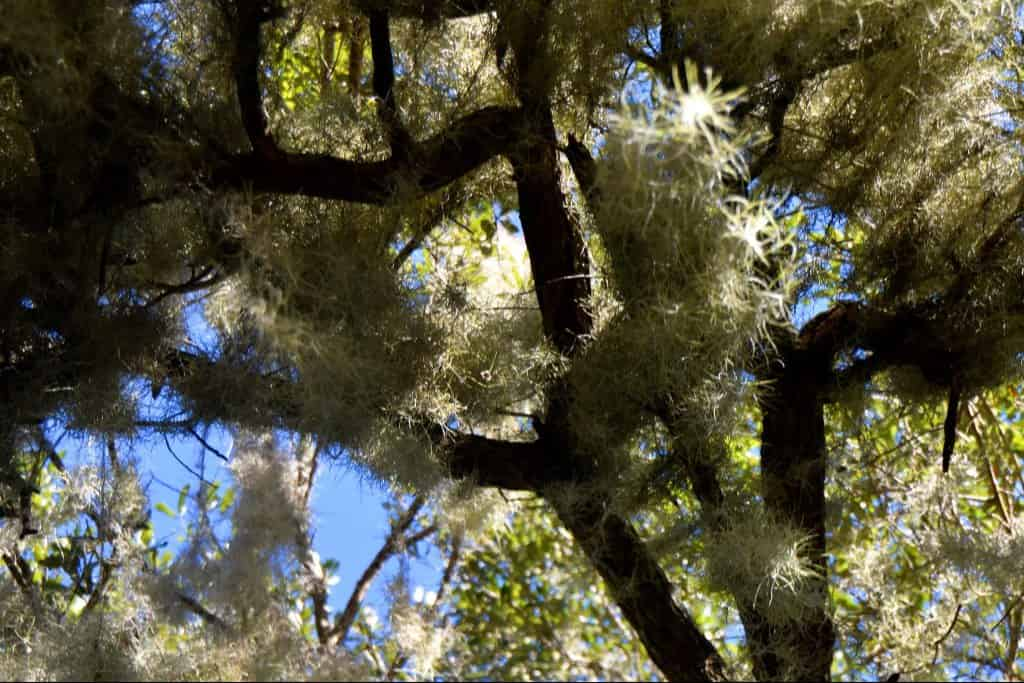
{"x":845,"y":600}
{"x":183,"y":498}
{"x":164,"y":559}
{"x":77,"y":605}
{"x":164,"y":508}
{"x":227,"y":499}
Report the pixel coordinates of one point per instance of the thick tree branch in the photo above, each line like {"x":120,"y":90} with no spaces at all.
{"x":518,"y":466}
{"x":558,"y":255}
{"x":912,"y":337}
{"x":584,"y":168}
{"x":428,"y":10}
{"x":440,"y":160}
{"x":641,"y":590}
{"x":561,"y":268}
{"x":384,"y":84}
{"x":793,"y":462}
{"x":249,"y":19}
{"x":633,"y":575}
{"x":417,"y":168}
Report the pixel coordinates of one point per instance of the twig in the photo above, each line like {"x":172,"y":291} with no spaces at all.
{"x":205,"y":445}
{"x":940,"y":641}
{"x":202,"y":612}
{"x":182,"y":463}
{"x":419,"y":536}
{"x":1009,"y":609}
{"x":344,"y":621}
{"x":194,"y":284}
{"x":449,"y":572}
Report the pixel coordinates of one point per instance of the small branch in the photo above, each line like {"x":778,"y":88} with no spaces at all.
{"x":204,"y":280}
{"x":202,"y":612}
{"x":778,"y":107}
{"x":11,"y":560}
{"x":289,"y":36}
{"x":314,"y":570}
{"x":356,"y":36}
{"x":1016,"y":603}
{"x":50,"y":449}
{"x":449,"y":572}
{"x":938,"y":643}
{"x":428,"y":222}
{"x":584,"y":168}
{"x":1001,"y":501}
{"x":318,"y":590}
{"x":206,"y":445}
{"x":651,"y":62}
{"x":181,"y":462}
{"x":314,"y":460}
{"x":450,"y":566}
{"x":343,"y":622}
{"x":21,"y":572}
{"x":328,"y":57}
{"x":419,"y":536}
{"x":106,"y":573}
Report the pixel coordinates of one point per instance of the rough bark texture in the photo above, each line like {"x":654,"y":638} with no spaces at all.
{"x":561,"y":273}
{"x":440,"y":160}
{"x":793,"y":485}
{"x":641,"y":590}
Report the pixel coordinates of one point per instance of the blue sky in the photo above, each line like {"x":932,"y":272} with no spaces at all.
{"x":350,"y":521}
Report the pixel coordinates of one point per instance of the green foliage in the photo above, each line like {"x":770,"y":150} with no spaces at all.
{"x":744,"y":166}
{"x":526,"y":608}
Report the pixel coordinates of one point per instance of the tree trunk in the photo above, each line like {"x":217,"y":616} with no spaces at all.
{"x":793,"y":485}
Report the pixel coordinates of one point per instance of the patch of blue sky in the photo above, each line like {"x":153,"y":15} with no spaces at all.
{"x":350,"y":520}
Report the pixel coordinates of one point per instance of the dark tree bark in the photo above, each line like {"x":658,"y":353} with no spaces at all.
{"x":793,"y":484}
{"x":640,"y":589}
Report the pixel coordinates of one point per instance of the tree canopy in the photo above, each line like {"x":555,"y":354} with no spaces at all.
{"x":688,"y":332}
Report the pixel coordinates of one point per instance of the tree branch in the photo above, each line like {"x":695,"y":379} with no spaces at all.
{"x":428,"y":10}
{"x":584,"y":168}
{"x":343,"y":622}
{"x":518,"y":466}
{"x":558,"y":255}
{"x":202,"y":612}
{"x":384,"y":84}
{"x":249,"y":18}
{"x":641,"y":590}
{"x":440,"y":160}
